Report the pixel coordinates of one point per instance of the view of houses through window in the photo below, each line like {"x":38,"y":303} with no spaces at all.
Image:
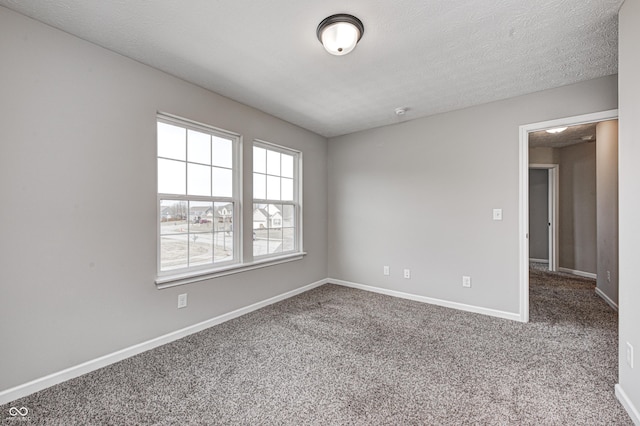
{"x":273,"y":228}
{"x":194,"y":233}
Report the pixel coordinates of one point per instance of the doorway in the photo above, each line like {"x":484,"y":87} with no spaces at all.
{"x":524,"y":192}
{"x":543,"y":214}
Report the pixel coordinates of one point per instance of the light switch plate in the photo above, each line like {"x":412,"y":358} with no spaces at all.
{"x":497,"y":214}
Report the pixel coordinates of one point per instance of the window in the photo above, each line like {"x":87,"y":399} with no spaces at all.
{"x":276,"y":200}
{"x":198,"y":193}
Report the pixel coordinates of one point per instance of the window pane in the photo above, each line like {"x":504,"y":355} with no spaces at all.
{"x":173,"y":252}
{"x":222,"y":182}
{"x":200,"y":216}
{"x":200,"y":249}
{"x":171,"y":141}
{"x":273,"y":162}
{"x":288,"y":239}
{"x":260,"y":217}
{"x":199,"y":147}
{"x":287,"y":189}
{"x":198,"y":179}
{"x":223,"y":246}
{"x":275,"y":241}
{"x":222,"y":152}
{"x":223,"y":217}
{"x":288,"y":216}
{"x":259,"y":186}
{"x":173,"y":217}
{"x":260,"y":232}
{"x":275,"y":215}
{"x":259,"y":246}
{"x":171,"y":177}
{"x":273,"y":188}
{"x":259,"y":160}
{"x":287,"y":165}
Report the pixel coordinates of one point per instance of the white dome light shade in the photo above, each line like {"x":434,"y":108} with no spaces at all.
{"x":340,"y":38}
{"x":557,"y":130}
{"x":339,"y":34}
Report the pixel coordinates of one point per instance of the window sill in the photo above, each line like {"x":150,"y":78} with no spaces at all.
{"x":192,"y":277}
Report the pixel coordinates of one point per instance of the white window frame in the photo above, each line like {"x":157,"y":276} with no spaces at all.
{"x":203,"y":270}
{"x":297,"y":200}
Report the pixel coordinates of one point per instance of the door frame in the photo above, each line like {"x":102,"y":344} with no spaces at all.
{"x":553,"y":176}
{"x":524,"y":191}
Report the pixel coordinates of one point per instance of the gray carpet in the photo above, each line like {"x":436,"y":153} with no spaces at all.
{"x":336,"y":355}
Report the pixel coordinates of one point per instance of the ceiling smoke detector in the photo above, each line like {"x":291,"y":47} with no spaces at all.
{"x":401,"y":111}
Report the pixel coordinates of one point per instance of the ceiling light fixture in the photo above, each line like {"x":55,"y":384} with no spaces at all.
{"x":340,"y":33}
{"x":556,"y":130}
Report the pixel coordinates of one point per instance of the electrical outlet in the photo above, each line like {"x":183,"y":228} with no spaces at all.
{"x":609,"y":276}
{"x":629,"y":354}
{"x":182,"y":300}
{"x":407,"y":273}
{"x":385,"y":270}
{"x":466,"y":281}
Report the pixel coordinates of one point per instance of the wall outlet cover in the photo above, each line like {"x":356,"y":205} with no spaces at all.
{"x":466,"y":281}
{"x":182,"y":300}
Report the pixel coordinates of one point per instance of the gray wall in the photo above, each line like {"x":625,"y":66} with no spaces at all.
{"x":629,"y":202}
{"x":543,"y":155}
{"x":420,"y":195}
{"x":607,"y":207}
{"x":77,"y":177}
{"x":539,"y":214}
{"x":577,"y":239}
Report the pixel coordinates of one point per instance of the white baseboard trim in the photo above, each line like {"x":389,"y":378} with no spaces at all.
{"x":36,"y":385}
{"x":429,"y":300}
{"x":628,"y":405}
{"x":578,"y":273}
{"x":607,"y":299}
{"x":531,"y":259}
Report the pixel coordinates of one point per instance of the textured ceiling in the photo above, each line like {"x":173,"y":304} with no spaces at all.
{"x":571,"y":136}
{"x":428,"y":56}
